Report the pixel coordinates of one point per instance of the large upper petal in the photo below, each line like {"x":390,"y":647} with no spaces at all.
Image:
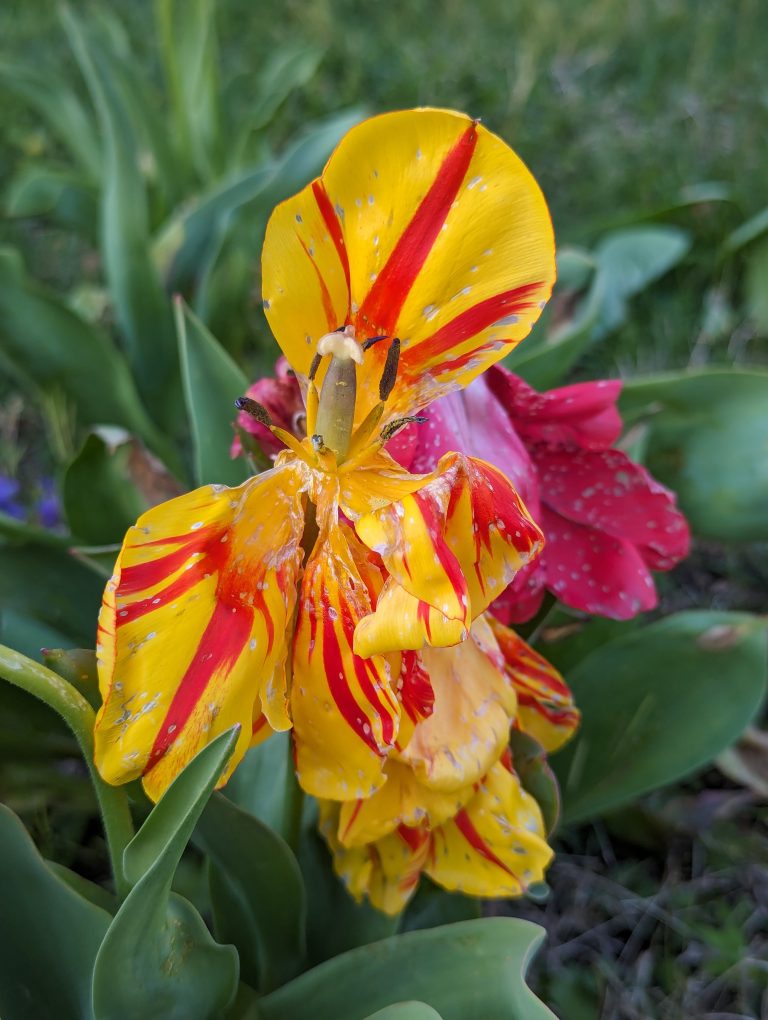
{"x":345,"y":712}
{"x":192,"y":631}
{"x":452,"y":545}
{"x":425,"y":226}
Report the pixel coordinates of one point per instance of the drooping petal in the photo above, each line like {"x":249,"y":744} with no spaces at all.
{"x":425,"y":226}
{"x":403,"y":622}
{"x":593,"y":571}
{"x":583,"y":415}
{"x":473,"y":710}
{"x":387,"y":872}
{"x":455,"y":543}
{"x":193,"y":625}
{"x":403,"y":800}
{"x":495,"y":846}
{"x":345,"y":712}
{"x":545,"y":704}
{"x":607,"y":491}
{"x":374,"y":484}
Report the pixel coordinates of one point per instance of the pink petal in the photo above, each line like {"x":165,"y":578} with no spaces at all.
{"x":593,"y":571}
{"x":607,"y":491}
{"x":281,"y":396}
{"x":584,"y":414}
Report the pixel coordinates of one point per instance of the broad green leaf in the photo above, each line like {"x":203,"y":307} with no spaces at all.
{"x":60,"y":195}
{"x":474,"y":970}
{"x":263,"y":784}
{"x":257,"y":893}
{"x":141,"y":307}
{"x":49,"y":936}
{"x":187,"y":33}
{"x":53,"y":588}
{"x":354,"y":924}
{"x":629,"y":260}
{"x":56,"y":101}
{"x":707,"y":433}
{"x":406,"y":1011}
{"x":212,"y":382}
{"x":95,"y":894}
{"x":101,"y":500}
{"x":158,"y":959}
{"x":50,"y":348}
{"x":659,"y":703}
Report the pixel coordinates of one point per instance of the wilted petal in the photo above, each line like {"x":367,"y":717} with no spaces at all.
{"x":424,"y":226}
{"x":545,"y":704}
{"x":455,"y":543}
{"x":345,"y":712}
{"x":495,"y":846}
{"x":193,"y":626}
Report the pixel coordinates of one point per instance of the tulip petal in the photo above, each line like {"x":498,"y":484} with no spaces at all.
{"x":495,"y":846}
{"x":454,"y":544}
{"x":545,"y":704}
{"x":473,"y":710}
{"x":193,"y":626}
{"x":426,"y":226}
{"x":345,"y":712}
{"x":374,"y":484}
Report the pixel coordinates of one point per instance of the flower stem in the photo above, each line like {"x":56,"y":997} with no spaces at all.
{"x":294,"y":803}
{"x":58,"y":694}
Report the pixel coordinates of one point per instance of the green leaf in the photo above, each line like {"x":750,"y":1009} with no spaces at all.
{"x":56,"y":101}
{"x":631,"y":259}
{"x":469,"y":971}
{"x":51,"y":587}
{"x":749,"y":231}
{"x":78,"y":667}
{"x":188,"y":48}
{"x":95,"y":894}
{"x":49,"y":937}
{"x":537,"y":778}
{"x":659,"y":703}
{"x":354,"y":924}
{"x":705,"y":431}
{"x":405,"y":1011}
{"x":60,"y":195}
{"x":257,"y":893}
{"x":432,"y":907}
{"x":101,"y":500}
{"x":212,"y":382}
{"x":141,"y":307}
{"x":27,"y":634}
{"x":756,"y":286}
{"x":48,"y":346}
{"x":287,"y":69}
{"x":262,"y":784}
{"x":158,"y":959}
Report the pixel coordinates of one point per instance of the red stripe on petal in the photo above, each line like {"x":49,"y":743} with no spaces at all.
{"x":220,"y":647}
{"x":331,"y":221}
{"x":476,"y":841}
{"x":388,"y":294}
{"x":352,"y":817}
{"x":330,"y":314}
{"x":136,"y":578}
{"x":364,"y":674}
{"x":447,"y":560}
{"x":467,"y":324}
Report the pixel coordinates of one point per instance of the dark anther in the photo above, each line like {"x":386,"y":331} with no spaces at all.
{"x":255,"y":409}
{"x":317,"y":443}
{"x":389,"y":375}
{"x":314,"y":366}
{"x":373,"y":340}
{"x":394,"y":426}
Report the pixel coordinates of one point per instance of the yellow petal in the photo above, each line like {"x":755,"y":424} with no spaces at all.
{"x":546,"y":708}
{"x":345,"y":712}
{"x":454,"y":545}
{"x":193,"y":622}
{"x":468,"y":728}
{"x":373,"y":484}
{"x":403,"y":800}
{"x":402,"y":622}
{"x":387,"y":872}
{"x":495,"y":846}
{"x":425,"y":226}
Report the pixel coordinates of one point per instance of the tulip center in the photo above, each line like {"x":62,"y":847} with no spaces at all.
{"x":336,"y":407}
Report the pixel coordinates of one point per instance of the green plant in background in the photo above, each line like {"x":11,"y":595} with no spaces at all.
{"x":137,"y":396}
